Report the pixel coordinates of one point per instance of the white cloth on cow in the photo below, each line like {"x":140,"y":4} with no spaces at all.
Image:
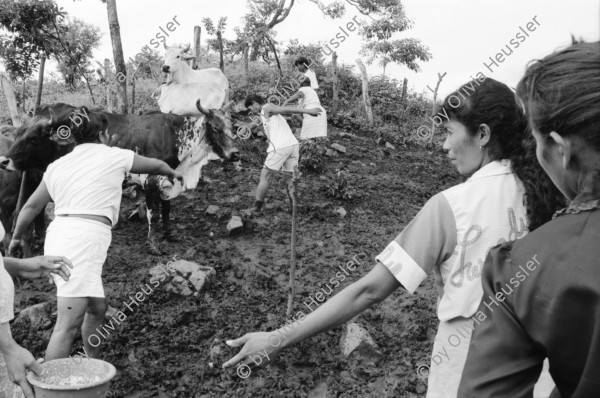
{"x":278,"y":132}
{"x":89,"y":180}
{"x":313,"y":126}
{"x":84,"y":242}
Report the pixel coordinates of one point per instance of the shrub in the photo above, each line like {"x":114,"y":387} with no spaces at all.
{"x":339,"y":188}
{"x":312,"y":157}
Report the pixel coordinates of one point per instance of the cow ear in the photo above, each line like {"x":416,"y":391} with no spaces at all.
{"x":228,"y":107}
{"x":62,"y":136}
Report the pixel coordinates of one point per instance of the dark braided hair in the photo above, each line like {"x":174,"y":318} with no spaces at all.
{"x":494,"y":104}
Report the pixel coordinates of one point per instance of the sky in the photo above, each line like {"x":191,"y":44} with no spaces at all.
{"x":461,"y":35}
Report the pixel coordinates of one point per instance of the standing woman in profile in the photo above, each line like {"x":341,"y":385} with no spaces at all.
{"x":85,"y":186}
{"x":312,"y":126}
{"x":506,"y":194}
{"x":555,"y":313}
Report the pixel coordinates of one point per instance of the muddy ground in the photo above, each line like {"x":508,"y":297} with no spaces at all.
{"x":172,"y":346}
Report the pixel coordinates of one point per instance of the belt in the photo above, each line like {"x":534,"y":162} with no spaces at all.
{"x":103,"y":219}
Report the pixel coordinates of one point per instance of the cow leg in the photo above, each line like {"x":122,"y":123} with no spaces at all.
{"x":153,"y":213}
{"x":167,"y":228}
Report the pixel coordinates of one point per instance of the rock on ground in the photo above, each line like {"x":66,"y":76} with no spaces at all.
{"x":356,"y":341}
{"x":182,"y":277}
{"x":39,"y":316}
{"x":235,"y":225}
{"x":339,"y":148}
{"x":212,"y":210}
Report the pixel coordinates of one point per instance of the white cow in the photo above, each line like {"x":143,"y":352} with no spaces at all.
{"x":185,"y":87}
{"x":179,"y":72}
{"x":180,"y":99}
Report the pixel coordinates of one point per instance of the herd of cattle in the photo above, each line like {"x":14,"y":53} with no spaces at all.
{"x":192,"y":128}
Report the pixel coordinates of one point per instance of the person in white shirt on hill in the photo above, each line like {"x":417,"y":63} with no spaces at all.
{"x":506,"y":195}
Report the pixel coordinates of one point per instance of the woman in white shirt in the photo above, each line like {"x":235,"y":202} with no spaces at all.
{"x":14,"y":359}
{"x":312,"y":127}
{"x":507,"y":191}
{"x":85,"y":186}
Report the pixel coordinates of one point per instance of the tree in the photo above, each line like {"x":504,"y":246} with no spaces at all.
{"x":218,"y":31}
{"x":264,"y":15}
{"x":380,"y":46}
{"x":34,"y":28}
{"x":79,"y":40}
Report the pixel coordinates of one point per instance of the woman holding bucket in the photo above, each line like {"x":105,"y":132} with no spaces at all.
{"x":484,"y":141}
{"x":14,"y":359}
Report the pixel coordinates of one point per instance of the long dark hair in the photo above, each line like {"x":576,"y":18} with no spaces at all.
{"x":487,"y":101}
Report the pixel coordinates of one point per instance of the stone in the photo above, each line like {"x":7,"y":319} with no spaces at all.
{"x":211,"y":210}
{"x":38,"y":316}
{"x":235,"y":225}
{"x":356,"y":341}
{"x":340,"y":211}
{"x":331,"y":153}
{"x":390,"y":146}
{"x":339,"y":148}
{"x":182,"y":277}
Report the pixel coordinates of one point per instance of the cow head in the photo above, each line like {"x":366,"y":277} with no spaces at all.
{"x":175,"y":58}
{"x":46,"y":139}
{"x":219,"y":133}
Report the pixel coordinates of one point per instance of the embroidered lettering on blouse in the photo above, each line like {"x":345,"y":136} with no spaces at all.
{"x":457,"y":278}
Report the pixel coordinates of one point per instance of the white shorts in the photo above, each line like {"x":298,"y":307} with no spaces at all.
{"x":284,"y":159}
{"x":85,"y":243}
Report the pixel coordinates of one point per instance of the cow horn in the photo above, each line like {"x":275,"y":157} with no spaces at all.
{"x":165,"y":44}
{"x":202,"y":110}
{"x":186,"y":48}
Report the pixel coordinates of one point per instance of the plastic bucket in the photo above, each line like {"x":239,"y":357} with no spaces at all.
{"x":73,"y":378}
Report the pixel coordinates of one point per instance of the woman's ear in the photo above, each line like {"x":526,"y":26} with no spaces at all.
{"x":564,"y":148}
{"x":484,"y":133}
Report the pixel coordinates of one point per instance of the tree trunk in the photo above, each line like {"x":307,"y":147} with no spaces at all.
{"x":132,"y":94}
{"x":404,"y":88}
{"x":272,"y":45}
{"x":440,"y":77}
{"x":38,"y":98}
{"x":246,"y":68}
{"x":220,"y":42}
{"x":23,"y":94}
{"x":87,"y":82}
{"x":108,"y":79}
{"x":115,"y":34}
{"x":11,"y":100}
{"x":336,"y":88}
{"x":197,"y":34}
{"x":365,"y":90}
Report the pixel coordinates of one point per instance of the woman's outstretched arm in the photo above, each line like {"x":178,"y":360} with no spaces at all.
{"x":354,"y":299}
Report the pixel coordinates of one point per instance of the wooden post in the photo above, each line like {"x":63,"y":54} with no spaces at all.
{"x":197,"y":34}
{"x":336,"y":88}
{"x":440,"y":77}
{"x":365,"y":90}
{"x":292,"y":282}
{"x":38,"y":98}
{"x":220,"y":42}
{"x":404,"y":88}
